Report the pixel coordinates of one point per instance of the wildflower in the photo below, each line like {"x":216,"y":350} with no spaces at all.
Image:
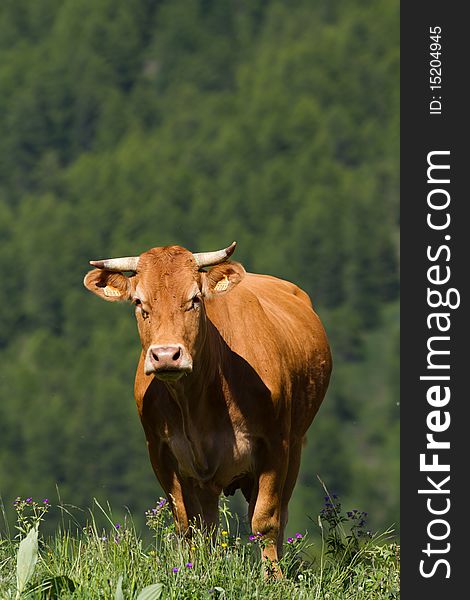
{"x":45,"y":501}
{"x":118,"y":526}
{"x":193,"y":548}
{"x":189,"y":565}
{"x":224,"y":532}
{"x":175,"y":569}
{"x":299,"y":536}
{"x":252,"y":538}
{"x":290,"y":540}
{"x":224,"y":544}
{"x":29,"y":500}
{"x":104,"y":539}
{"x":162,"y":503}
{"x":117,"y":539}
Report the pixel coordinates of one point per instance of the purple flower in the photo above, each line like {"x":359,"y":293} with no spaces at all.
{"x":175,"y":569}
{"x":162,"y":503}
{"x":45,"y":501}
{"x":189,"y":565}
{"x":299,"y":536}
{"x":118,"y":526}
{"x":252,"y":538}
{"x":290,"y":540}
{"x":29,"y":500}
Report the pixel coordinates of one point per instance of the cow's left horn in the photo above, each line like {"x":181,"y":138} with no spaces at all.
{"x":209,"y":259}
{"x":127,"y":263}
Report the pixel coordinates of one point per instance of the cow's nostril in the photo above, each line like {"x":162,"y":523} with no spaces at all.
{"x":160,"y":360}
{"x":166,"y":356}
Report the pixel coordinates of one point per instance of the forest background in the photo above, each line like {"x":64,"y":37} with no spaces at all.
{"x":128,"y":124}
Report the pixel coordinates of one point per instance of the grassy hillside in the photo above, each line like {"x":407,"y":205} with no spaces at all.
{"x":113,"y":563}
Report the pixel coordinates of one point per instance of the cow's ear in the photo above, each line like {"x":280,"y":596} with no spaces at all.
{"x":222,"y":278}
{"x":108,"y":285}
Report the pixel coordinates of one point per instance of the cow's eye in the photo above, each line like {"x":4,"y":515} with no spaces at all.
{"x":138,"y":304}
{"x":196,"y":302}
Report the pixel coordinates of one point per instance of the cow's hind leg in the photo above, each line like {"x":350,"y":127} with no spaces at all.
{"x":289,"y":484}
{"x":265,"y":509}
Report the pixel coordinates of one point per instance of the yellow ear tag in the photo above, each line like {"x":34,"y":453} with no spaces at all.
{"x":111,"y":291}
{"x":222,"y":285}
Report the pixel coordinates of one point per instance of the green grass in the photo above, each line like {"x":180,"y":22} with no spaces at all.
{"x":341,"y":562}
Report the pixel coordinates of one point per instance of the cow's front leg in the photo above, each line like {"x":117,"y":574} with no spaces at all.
{"x":266,"y":514}
{"x":164,"y":467}
{"x":192,"y":505}
{"x":209,"y":506}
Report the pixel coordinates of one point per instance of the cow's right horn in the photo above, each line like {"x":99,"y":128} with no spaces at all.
{"x":209,"y":259}
{"x":127,"y":263}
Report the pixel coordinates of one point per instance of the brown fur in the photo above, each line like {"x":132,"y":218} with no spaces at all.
{"x":261,"y":367}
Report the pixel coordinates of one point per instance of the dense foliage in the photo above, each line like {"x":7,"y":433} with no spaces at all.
{"x":131,"y":124}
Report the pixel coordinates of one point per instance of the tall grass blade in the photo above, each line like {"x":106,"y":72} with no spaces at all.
{"x":5,"y":519}
{"x":118,"y":595}
{"x":151,"y":592}
{"x":26,"y":559}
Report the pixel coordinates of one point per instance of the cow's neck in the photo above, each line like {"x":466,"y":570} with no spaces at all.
{"x":195,"y":390}
{"x":200,"y":398}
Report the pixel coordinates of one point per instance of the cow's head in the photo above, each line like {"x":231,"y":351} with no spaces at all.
{"x":168,"y":287}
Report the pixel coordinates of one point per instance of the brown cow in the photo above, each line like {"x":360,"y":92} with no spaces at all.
{"x":233,"y":369}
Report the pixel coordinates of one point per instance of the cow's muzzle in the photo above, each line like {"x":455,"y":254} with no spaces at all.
{"x":168,"y":363}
